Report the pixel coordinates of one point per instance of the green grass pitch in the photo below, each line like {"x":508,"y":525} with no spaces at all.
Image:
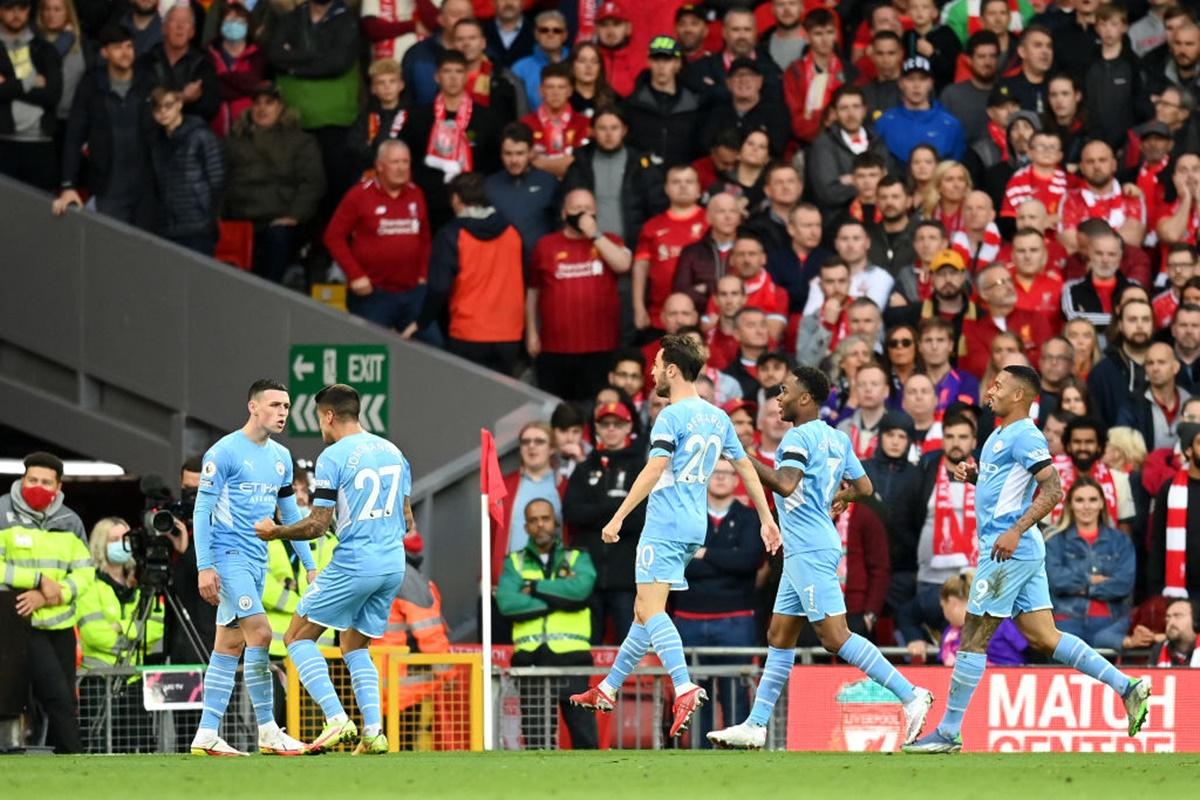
{"x":612,"y":775}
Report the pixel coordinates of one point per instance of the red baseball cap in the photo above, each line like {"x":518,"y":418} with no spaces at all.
{"x":736,"y":405}
{"x":613,"y":410}
{"x":611,"y":10}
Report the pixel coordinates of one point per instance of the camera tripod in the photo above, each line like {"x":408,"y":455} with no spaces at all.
{"x":149,"y":600}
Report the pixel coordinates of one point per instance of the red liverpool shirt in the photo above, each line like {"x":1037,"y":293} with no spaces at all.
{"x":1043,"y":296}
{"x":577,"y":295}
{"x":662,"y":238}
{"x":382,"y":237}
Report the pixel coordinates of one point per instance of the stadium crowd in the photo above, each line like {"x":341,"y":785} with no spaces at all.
{"x":911,"y":195}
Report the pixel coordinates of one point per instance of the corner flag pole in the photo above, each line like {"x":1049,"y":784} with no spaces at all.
{"x":485,"y":595}
{"x":491,"y":492}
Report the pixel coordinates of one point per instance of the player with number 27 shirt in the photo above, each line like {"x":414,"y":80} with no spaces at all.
{"x":367,"y":480}
{"x":688,"y":438}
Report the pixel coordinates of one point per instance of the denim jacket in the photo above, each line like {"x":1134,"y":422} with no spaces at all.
{"x":1070,"y":562}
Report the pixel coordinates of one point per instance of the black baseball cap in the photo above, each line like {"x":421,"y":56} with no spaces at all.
{"x":1000,"y":96}
{"x":665,"y":47}
{"x":1155,"y":128}
{"x":696,"y":10}
{"x":742,"y":62}
{"x":267,"y":88}
{"x":916,"y":64}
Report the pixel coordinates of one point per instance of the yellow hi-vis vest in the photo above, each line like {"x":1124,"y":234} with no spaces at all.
{"x":280,"y":601}
{"x":28,"y":554}
{"x":561,"y":631}
{"x":107,"y":627}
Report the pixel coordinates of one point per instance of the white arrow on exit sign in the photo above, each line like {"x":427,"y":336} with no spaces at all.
{"x":301,"y":368}
{"x":369,"y":415}
{"x":304,"y":414}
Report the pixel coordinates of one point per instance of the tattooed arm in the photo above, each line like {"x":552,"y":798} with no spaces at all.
{"x":1049,"y":494}
{"x":311,"y":527}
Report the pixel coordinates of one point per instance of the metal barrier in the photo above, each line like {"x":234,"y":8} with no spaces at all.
{"x":113,"y":719}
{"x":431,"y":701}
{"x":530,"y":700}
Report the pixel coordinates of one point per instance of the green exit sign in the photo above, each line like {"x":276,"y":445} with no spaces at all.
{"x":312,"y":367}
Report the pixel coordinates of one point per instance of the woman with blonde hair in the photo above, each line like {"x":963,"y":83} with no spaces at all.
{"x":1082,"y":336}
{"x":1091,"y":567}
{"x":1125,"y":450}
{"x":851,"y":353}
{"x":949,"y":187}
{"x":111,"y":634}
{"x":58,"y":24}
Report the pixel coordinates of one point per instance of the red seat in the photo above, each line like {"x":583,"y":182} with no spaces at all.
{"x":236,"y":245}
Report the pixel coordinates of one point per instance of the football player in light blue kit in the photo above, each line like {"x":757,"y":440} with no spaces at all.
{"x":688,"y":438}
{"x":811,"y":464}
{"x":368,"y":481}
{"x":1012,"y":579}
{"x":244,"y":477}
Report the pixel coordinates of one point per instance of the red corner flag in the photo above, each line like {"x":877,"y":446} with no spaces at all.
{"x":491,"y":481}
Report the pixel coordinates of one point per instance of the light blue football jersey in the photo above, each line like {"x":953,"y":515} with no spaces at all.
{"x":245,"y":478}
{"x":1011,"y":456}
{"x":367,"y":478}
{"x":826,"y":457}
{"x":693,"y":434}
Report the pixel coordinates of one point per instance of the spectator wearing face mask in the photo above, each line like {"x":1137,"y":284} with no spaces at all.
{"x":44,"y":560}
{"x":109,"y":631}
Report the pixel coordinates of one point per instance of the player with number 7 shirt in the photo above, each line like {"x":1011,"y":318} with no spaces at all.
{"x":366,"y":481}
{"x":812,"y":462}
{"x":688,"y":438}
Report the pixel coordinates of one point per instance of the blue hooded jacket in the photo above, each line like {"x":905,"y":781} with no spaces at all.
{"x":903,"y":129}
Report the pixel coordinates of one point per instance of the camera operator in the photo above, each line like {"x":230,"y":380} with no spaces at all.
{"x":184,"y":575}
{"x":44,"y":560}
{"x":185,"y":580}
{"x":111,"y":633}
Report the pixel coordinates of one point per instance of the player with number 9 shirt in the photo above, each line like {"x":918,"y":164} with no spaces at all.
{"x":812,"y":461}
{"x":367,"y":480}
{"x":687,"y":439}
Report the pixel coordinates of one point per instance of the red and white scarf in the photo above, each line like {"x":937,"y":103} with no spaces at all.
{"x":587,"y":20}
{"x":449,"y":149}
{"x":820,"y":84}
{"x":554,"y":130}
{"x":1175,"y":581}
{"x":842,"y":523}
{"x":987,"y":251}
{"x":933,"y":437}
{"x":951,"y":222}
{"x":863,"y":449}
{"x":955,"y":542}
{"x":1165,"y":658}
{"x":1102,"y":475}
{"x":1108,"y":207}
